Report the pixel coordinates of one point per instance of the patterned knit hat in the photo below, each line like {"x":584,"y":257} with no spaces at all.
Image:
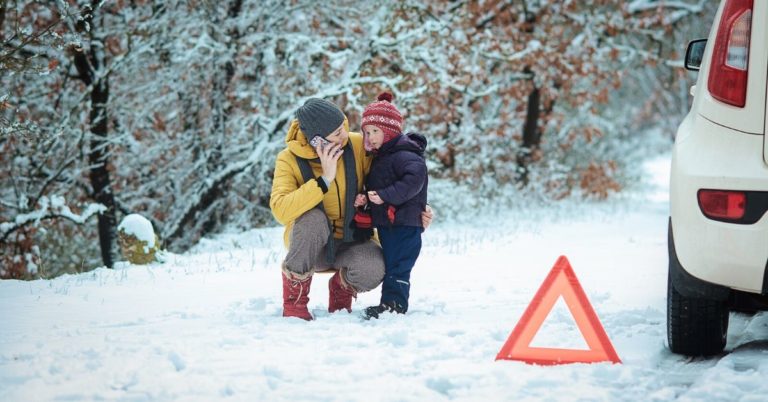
{"x":384,"y":115}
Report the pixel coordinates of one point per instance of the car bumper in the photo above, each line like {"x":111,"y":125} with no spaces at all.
{"x":709,"y":156}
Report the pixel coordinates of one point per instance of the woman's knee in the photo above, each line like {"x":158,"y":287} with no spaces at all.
{"x":363,"y":266}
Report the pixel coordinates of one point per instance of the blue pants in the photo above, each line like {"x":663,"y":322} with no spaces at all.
{"x":401,"y":246}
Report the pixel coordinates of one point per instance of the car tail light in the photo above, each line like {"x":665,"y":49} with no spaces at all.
{"x":730,"y":56}
{"x":723,"y":205}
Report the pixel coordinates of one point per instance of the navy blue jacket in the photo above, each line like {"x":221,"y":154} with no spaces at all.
{"x":399,"y":175}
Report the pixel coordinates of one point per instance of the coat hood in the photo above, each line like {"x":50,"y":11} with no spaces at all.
{"x":413,"y":142}
{"x":298,"y":143}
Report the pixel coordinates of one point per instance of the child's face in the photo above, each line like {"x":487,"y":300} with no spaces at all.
{"x":375,"y":135}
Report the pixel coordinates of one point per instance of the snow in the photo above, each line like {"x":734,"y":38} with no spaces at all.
{"x":140,"y":227}
{"x":207,"y":325}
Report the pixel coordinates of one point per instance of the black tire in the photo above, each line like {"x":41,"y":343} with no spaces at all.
{"x":695,"y":326}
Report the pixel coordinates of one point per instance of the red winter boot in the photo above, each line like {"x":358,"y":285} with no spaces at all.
{"x":296,"y":297}
{"x":339,"y":295}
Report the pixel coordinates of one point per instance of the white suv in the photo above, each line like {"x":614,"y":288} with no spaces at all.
{"x":718,"y":229}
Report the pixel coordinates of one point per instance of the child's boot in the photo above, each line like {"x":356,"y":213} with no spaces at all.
{"x":376,"y":311}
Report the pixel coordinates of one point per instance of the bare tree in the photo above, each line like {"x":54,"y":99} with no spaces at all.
{"x":91,"y":68}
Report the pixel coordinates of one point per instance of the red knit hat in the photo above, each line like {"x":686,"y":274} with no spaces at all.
{"x":384,"y":115}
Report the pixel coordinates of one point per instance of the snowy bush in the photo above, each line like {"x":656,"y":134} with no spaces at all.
{"x":20,"y":237}
{"x":138,"y":241}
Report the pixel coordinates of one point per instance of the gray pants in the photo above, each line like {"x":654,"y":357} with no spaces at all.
{"x":361,"y":263}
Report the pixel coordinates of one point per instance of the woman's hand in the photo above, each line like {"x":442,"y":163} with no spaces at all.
{"x":374,"y":197}
{"x":426,"y":217}
{"x":329,"y":156}
{"x":360,"y":200}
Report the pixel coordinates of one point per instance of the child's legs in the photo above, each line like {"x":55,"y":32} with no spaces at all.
{"x":401,"y":246}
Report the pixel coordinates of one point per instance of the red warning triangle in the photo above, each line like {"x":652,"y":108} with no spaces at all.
{"x":561,"y":281}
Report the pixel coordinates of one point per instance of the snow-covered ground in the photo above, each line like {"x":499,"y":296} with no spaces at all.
{"x":207,"y":325}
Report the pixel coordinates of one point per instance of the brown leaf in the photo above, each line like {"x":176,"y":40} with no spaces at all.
{"x":159,"y":123}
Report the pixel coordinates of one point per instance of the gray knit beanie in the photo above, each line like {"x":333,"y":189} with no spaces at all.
{"x":319,"y":117}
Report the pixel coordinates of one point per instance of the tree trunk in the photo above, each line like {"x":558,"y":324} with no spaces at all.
{"x":531,"y":135}
{"x":88,"y":67}
{"x":2,"y":19}
{"x":100,"y":179}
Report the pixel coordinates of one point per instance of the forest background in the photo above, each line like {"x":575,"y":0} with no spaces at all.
{"x":176,"y":109}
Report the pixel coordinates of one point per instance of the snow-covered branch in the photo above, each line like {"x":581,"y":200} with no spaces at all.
{"x":636,"y":6}
{"x":52,"y":207}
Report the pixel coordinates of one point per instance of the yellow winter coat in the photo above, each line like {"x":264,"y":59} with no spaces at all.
{"x":291,"y":197}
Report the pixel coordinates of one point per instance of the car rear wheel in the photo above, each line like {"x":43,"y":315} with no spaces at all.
{"x":695,"y":326}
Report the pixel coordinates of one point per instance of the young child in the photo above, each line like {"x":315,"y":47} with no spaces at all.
{"x":397,"y":193}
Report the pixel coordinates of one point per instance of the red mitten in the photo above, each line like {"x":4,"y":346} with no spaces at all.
{"x":362,"y":219}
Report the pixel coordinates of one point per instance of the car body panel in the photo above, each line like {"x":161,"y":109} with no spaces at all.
{"x":751,"y":118}
{"x":722,"y":147}
{"x":728,"y":254}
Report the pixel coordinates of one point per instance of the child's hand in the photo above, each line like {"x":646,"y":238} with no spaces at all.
{"x":360,"y":200}
{"x":374,"y":197}
{"x":426,"y":216}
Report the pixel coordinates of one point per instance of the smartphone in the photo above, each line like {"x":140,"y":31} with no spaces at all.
{"x":316,"y":140}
